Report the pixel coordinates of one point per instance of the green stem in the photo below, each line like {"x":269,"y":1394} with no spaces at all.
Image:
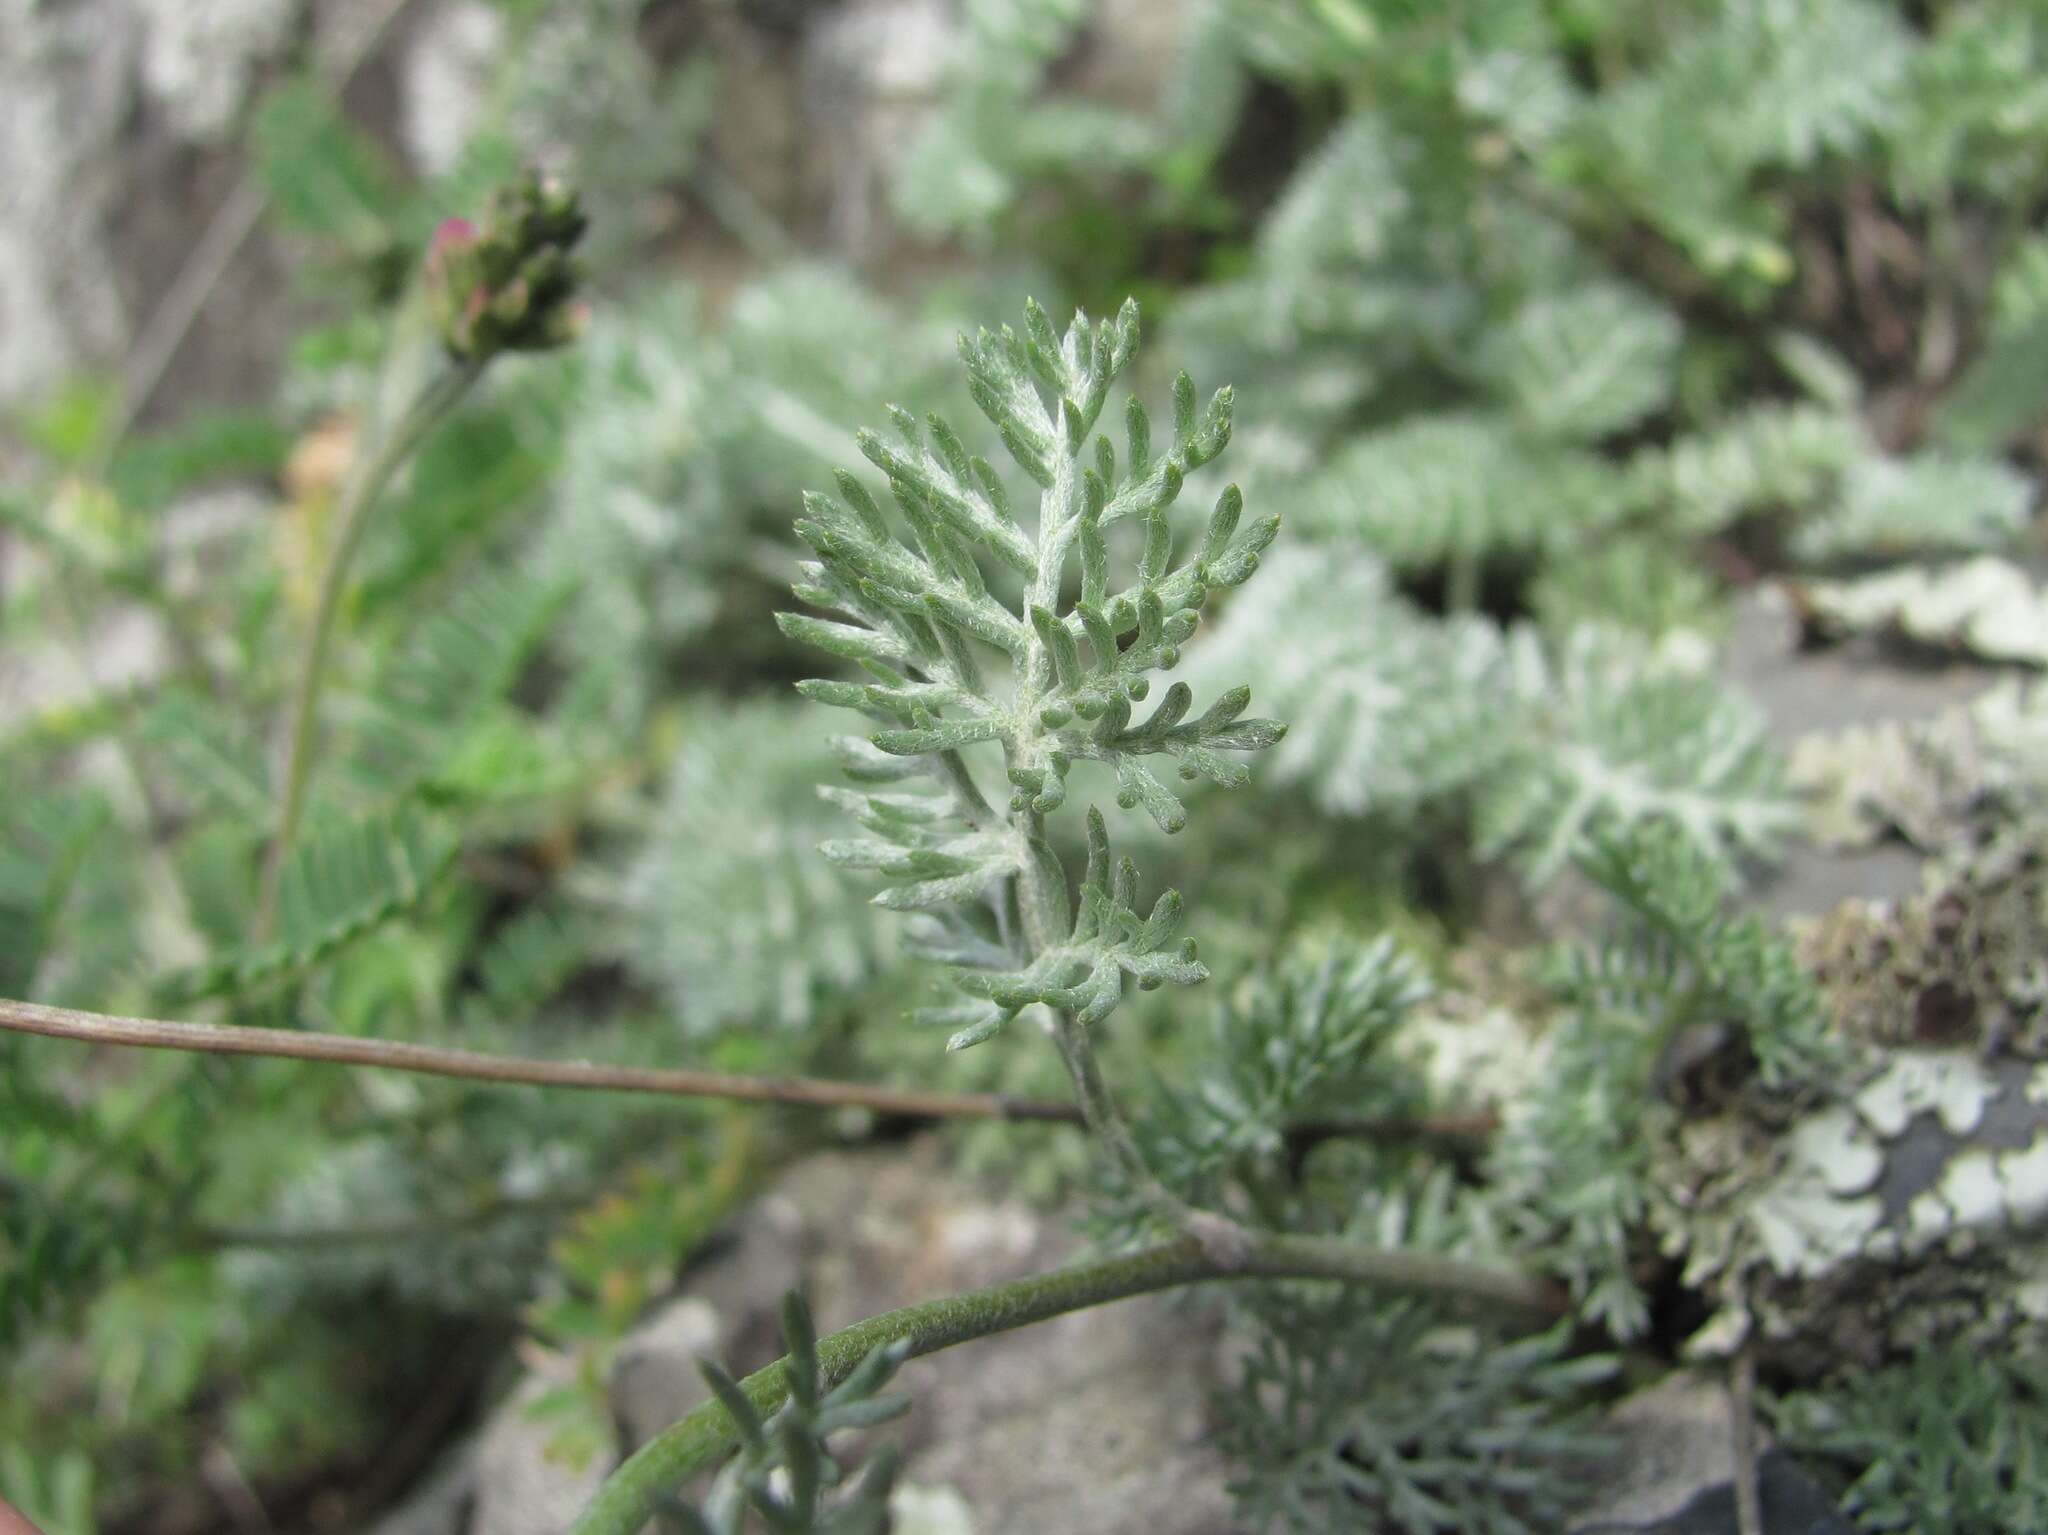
{"x":627,"y":1500}
{"x":1098,"y":1108}
{"x":432,"y":404}
{"x":1106,"y":1123}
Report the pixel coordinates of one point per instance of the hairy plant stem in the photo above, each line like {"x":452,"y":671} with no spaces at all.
{"x":365,"y":485}
{"x":1220,"y":1235}
{"x":1077,"y":1051}
{"x":693,"y":1444}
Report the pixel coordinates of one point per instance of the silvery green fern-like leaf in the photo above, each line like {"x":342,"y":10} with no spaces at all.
{"x":1387,"y":709}
{"x":1767,"y":458}
{"x":1928,"y":503}
{"x":1460,"y":488}
{"x":967,"y":584}
{"x":992,"y":134}
{"x":690,"y":440}
{"x":731,"y":910}
{"x":1586,"y":363}
{"x":1611,"y":739}
{"x":1084,"y":972}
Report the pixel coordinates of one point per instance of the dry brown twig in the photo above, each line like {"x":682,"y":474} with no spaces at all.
{"x":472,"y":1065}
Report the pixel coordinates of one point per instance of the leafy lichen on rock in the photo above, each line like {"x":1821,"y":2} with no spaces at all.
{"x":1910,"y":1205}
{"x":1964,"y":963}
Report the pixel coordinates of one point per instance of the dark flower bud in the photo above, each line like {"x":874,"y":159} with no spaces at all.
{"x":507,"y":283}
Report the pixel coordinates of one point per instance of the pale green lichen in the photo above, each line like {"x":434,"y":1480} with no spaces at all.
{"x":1928,"y":780}
{"x":1986,"y":607}
{"x":1913,"y":1206}
{"x":1953,"y":1087}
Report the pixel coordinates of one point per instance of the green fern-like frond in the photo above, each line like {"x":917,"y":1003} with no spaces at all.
{"x":324,"y":175}
{"x":1304,"y":1041}
{"x":449,"y":673}
{"x":1460,"y":488}
{"x":44,"y":839}
{"x":731,"y":911}
{"x":922,"y":614}
{"x":1615,"y":740}
{"x":1368,"y":1415}
{"x":1386,"y":709}
{"x":1950,"y":1442}
{"x":345,"y":877}
{"x":1735,"y":967}
{"x":211,"y":757}
{"x":1572,"y":1165}
{"x":529,"y":960}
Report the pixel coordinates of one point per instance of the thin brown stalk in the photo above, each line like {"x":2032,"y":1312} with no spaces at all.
{"x":350,"y":1050}
{"x":1749,"y":1512}
{"x":434,"y":1060}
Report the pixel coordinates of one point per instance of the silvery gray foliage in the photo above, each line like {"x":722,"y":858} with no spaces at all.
{"x":1356,"y":1411}
{"x":920,"y":611}
{"x":1609,"y":740}
{"x":732,"y":912}
{"x":1387,"y":709}
{"x":689,"y":439}
{"x":1307,"y":1039}
{"x":1552,"y":745}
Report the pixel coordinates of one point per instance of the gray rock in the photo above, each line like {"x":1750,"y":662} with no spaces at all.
{"x":65,"y":86}
{"x":1095,"y":1422}
{"x":1803,"y":691}
{"x":1672,"y":1441}
{"x":440,"y":1505}
{"x":1853,"y":683}
{"x":872,"y":73}
{"x":444,"y":79}
{"x":1673,"y":1471}
{"x":198,"y":59}
{"x":519,"y":1488}
{"x":1789,"y":1502}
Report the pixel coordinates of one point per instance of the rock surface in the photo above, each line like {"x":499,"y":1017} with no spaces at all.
{"x":1673,"y":1470}
{"x":516,"y":1486}
{"x":1092,"y":1424}
{"x":1096,"y":1422}
{"x":1804,"y":692}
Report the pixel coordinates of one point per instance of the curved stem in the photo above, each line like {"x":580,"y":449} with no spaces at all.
{"x":433,"y":403}
{"x":627,"y":1500}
